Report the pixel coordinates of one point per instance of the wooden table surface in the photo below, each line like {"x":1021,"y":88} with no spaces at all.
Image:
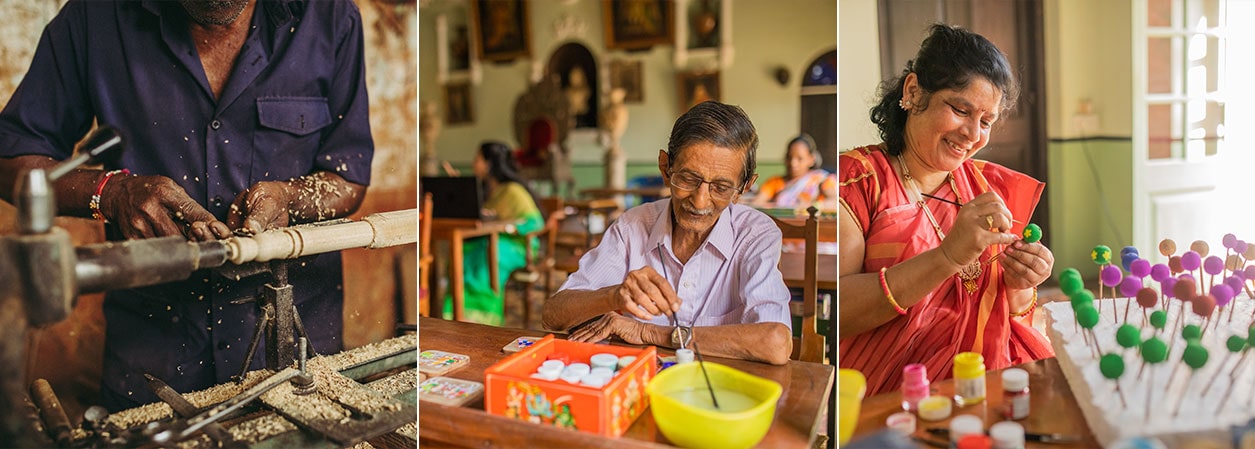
{"x":1053,"y":408}
{"x":806,"y":389}
{"x":456,"y":231}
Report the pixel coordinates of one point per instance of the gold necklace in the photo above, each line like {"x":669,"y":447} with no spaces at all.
{"x":971,"y":271}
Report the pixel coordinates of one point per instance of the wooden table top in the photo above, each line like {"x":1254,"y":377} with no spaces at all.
{"x":1052,"y":409}
{"x":806,"y":389}
{"x":442,"y":227}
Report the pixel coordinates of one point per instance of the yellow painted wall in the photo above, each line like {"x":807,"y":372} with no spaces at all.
{"x":766,"y":35}
{"x":858,"y":38}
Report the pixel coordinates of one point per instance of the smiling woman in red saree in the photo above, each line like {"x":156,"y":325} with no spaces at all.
{"x":921,"y":223}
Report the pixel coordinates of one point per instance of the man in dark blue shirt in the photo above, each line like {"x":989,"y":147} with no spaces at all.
{"x":237,"y":114}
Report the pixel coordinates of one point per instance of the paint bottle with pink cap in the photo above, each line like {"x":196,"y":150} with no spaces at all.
{"x":914,"y":386}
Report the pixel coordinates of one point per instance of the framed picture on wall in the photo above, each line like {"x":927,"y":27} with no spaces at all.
{"x":638,"y":24}
{"x":626,"y":74}
{"x":458,"y":105}
{"x":501,"y":29}
{"x":696,"y":87}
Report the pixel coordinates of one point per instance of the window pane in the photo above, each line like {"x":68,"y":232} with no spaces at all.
{"x":1202,"y":14}
{"x":1159,"y":13}
{"x":1159,"y":65}
{"x":1160,"y":131}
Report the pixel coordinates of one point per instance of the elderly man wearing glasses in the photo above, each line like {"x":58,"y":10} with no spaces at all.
{"x":693,"y":268}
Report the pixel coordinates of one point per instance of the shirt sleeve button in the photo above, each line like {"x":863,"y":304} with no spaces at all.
{"x":215,"y":124}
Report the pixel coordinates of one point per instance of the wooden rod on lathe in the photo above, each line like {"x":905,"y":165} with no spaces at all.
{"x":379,"y":230}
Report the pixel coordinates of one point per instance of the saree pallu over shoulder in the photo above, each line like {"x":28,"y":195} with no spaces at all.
{"x":948,"y":320}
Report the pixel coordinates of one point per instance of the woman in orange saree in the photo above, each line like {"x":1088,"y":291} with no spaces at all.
{"x":921,"y":223}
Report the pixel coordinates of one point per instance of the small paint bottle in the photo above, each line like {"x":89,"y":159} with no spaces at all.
{"x":964,"y":425}
{"x":1015,"y":393}
{"x":914,"y":386}
{"x":1007,"y":435}
{"x":969,"y":378}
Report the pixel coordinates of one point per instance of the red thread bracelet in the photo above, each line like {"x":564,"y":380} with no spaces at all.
{"x":94,"y":204}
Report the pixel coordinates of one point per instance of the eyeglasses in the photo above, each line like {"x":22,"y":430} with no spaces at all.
{"x":689,"y":182}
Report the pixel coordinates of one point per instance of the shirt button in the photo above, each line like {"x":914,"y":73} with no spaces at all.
{"x":222,"y":346}
{"x":215,"y":124}
{"x":217,"y":201}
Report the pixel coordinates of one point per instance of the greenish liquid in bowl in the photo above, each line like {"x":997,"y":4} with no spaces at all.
{"x":729,"y":401}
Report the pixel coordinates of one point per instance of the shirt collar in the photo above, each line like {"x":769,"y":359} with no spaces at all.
{"x":721,"y":237}
{"x":278,"y":12}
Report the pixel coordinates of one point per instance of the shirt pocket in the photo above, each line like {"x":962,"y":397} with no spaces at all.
{"x":287,"y":140}
{"x":298,"y":116}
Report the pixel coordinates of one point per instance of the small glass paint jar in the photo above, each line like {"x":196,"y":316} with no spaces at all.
{"x":914,"y":386}
{"x":969,"y":378}
{"x":1007,"y":435}
{"x":1015,"y":393}
{"x":964,"y":425}
{"x":683,"y":356}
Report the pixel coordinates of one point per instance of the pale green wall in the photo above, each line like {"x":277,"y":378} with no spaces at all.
{"x":766,"y":34}
{"x":1077,"y":218}
{"x":1088,"y":48}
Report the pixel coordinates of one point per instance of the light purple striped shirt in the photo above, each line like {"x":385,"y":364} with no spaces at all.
{"x":733,"y":277}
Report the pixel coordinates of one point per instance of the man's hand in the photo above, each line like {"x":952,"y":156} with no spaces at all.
{"x":262,"y":207}
{"x":645,"y":294}
{"x":154,"y":206}
{"x":612,"y":325}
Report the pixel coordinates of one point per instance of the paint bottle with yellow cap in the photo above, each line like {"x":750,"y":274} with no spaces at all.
{"x":969,"y":378}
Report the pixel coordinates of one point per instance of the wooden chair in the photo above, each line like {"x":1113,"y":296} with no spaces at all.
{"x":424,"y":255}
{"x":540,"y":264}
{"x":579,"y":237}
{"x":810,"y":346}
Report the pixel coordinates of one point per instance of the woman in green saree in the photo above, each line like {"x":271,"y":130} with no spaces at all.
{"x":507,"y":199}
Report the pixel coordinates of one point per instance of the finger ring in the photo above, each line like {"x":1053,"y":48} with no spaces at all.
{"x":990,"y":219}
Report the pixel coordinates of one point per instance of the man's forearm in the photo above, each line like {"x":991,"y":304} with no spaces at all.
{"x":761,"y":342}
{"x":568,"y":308}
{"x":73,"y":191}
{"x":322,"y":196}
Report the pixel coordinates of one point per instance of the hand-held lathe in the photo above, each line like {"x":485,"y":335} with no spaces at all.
{"x":42,"y":272}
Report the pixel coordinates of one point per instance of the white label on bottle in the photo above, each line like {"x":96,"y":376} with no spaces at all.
{"x":971,"y":389}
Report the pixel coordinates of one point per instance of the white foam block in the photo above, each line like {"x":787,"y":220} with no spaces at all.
{"x":1200,"y":416}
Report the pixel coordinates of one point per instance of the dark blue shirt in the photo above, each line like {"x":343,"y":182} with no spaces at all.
{"x":294,"y":103}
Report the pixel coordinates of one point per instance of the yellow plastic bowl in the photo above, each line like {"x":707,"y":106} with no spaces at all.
{"x":851,"y":386}
{"x":699,"y":428}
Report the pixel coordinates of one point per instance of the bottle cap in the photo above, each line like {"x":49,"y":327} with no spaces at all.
{"x":1014,"y":379}
{"x":604,"y":360}
{"x":626,"y":360}
{"x":1007,"y":434}
{"x":963,"y":425}
{"x":974,"y":441}
{"x":934,"y":408}
{"x":901,"y":421}
{"x":683,"y":355}
{"x":969,"y":365}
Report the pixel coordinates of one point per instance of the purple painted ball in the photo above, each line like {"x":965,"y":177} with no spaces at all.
{"x":1191,"y":261}
{"x":1213,"y":265}
{"x":1159,"y":272}
{"x":1249,"y":272}
{"x":1229,"y":240}
{"x":1129,"y":286}
{"x":1111,"y":275}
{"x":1240,"y":246}
{"x":1234,"y":282}
{"x":1167,"y":286}
{"x":1127,"y":259}
{"x":1140,"y":268}
{"x":1222,"y":293}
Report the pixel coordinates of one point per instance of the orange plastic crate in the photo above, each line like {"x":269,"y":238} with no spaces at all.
{"x":609,"y":410}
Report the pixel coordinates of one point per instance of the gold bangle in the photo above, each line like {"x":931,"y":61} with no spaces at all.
{"x":884,"y":285}
{"x":1028,"y":309}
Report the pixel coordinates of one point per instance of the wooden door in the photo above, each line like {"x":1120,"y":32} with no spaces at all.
{"x":1018,"y":140}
